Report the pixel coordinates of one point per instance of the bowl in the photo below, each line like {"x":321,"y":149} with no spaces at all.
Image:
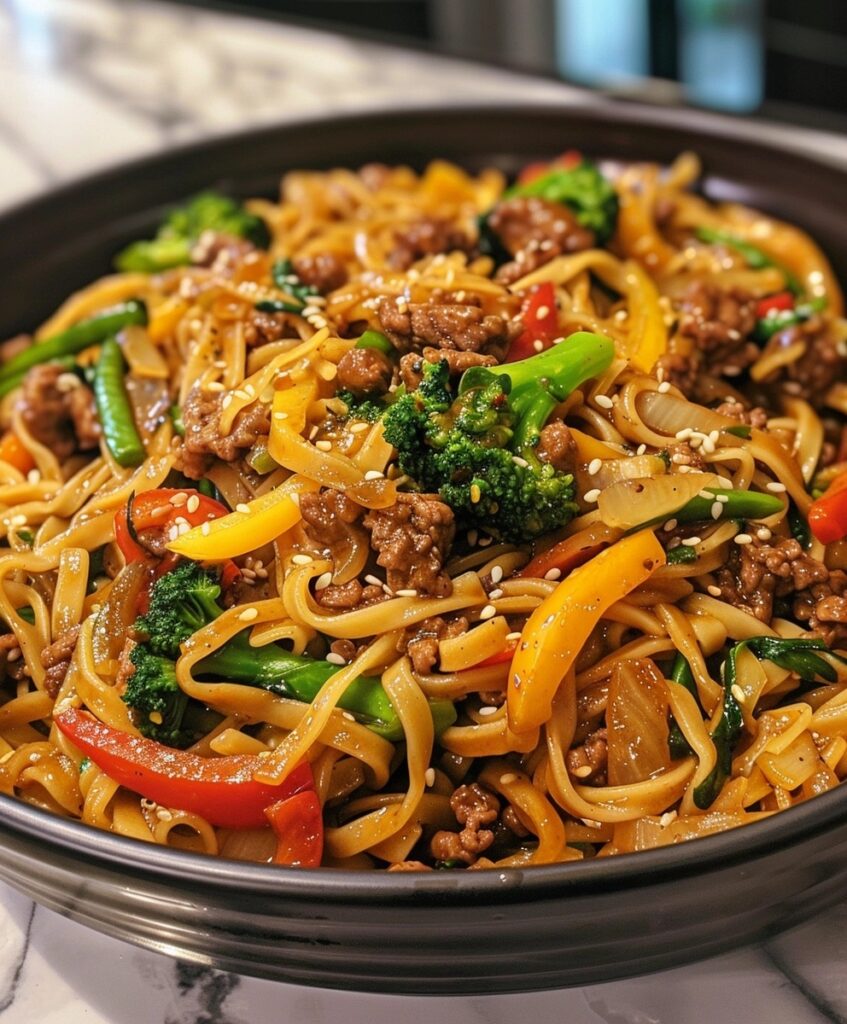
{"x":440,"y":932}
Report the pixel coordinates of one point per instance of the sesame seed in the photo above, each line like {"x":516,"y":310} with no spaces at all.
{"x":518,"y":461}
{"x":776,"y":487}
{"x":763,"y":533}
{"x":713,"y":590}
{"x":717,"y":509}
{"x":714,"y":435}
{"x":684,"y":434}
{"x":669,"y":525}
{"x":163,"y":814}
{"x":691,"y":542}
{"x":603,"y":401}
{"x":374,"y":581}
{"x":323,"y":581}
{"x":219,"y":364}
{"x":374,"y":474}
{"x":488,"y":612}
{"x":429,"y":777}
{"x":302,"y":559}
{"x":641,"y":449}
{"x":406,"y":593}
{"x":487,"y":710}
{"x":33,"y":476}
{"x":685,"y":469}
{"x":335,"y":659}
{"x":663,"y":388}
{"x":541,"y":312}
{"x":294,"y":497}
{"x":507,"y":778}
{"x":513,"y":636}
{"x":497,"y":574}
{"x":242,"y":507}
{"x":240,"y":393}
{"x":313,"y":433}
{"x":743,"y":538}
{"x":323,"y":446}
{"x":14,"y":654}
{"x":180,"y":498}
{"x":18,"y":520}
{"x":248,"y":615}
{"x":193,"y":503}
{"x":357,"y":428}
{"x":205,"y":529}
{"x":592,"y":495}
{"x":553,"y":574}
{"x":485,"y":541}
{"x":667,"y":818}
{"x":538,"y":346}
{"x":738,"y":693}
{"x":595,"y":466}
{"x":476,"y":493}
{"x":280,"y":415}
{"x":227,"y":402}
{"x":495,"y":595}
{"x":708,"y":445}
{"x":583,"y":771}
{"x":214,"y":385}
{"x":388,"y":590}
{"x":706,"y":494}
{"x":722,"y":498}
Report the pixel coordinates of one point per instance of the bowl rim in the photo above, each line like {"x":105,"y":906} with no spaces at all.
{"x":739,"y":845}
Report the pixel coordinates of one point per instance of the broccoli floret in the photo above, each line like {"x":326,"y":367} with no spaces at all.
{"x":584,"y":190}
{"x":478,"y":450}
{"x":183,"y":601}
{"x":368,"y":409}
{"x":178,"y":234}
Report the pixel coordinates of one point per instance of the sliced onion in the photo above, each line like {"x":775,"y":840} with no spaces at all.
{"x":639,"y":502}
{"x":668,"y":415}
{"x":637,"y":722}
{"x":118,"y":612}
{"x":636,"y":467}
{"x":145,"y":360}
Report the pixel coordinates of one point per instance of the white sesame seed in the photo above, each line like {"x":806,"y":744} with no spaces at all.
{"x":538,"y":346}
{"x":541,"y":312}
{"x":180,"y":498}
{"x":553,"y":574}
{"x":497,"y":574}
{"x":738,"y":693}
{"x":685,"y":469}
{"x":214,"y":385}
{"x":487,"y":710}
{"x":507,"y":778}
{"x":205,"y":529}
{"x":667,"y":818}
{"x":406,"y":593}
{"x":603,"y":401}
{"x":302,"y":559}
{"x":388,"y":590}
{"x":595,"y":466}
{"x":429,"y":777}
{"x":193,"y":503}
{"x":335,"y":659}
{"x":33,"y":476}
{"x":713,"y":590}
{"x":163,"y":814}
{"x":717,"y":509}
{"x":663,"y":388}
{"x":227,"y":402}
{"x":641,"y":449}
{"x":242,"y":507}
{"x":323,"y":581}
{"x":313,"y":433}
{"x":280,"y":415}
{"x":592,"y":495}
{"x":743,"y":538}
{"x":513,"y":637}
{"x":488,"y":612}
{"x":518,"y":461}
{"x":684,"y":434}
{"x":583,"y":771}
{"x":776,"y":487}
{"x":722,"y":498}
{"x":248,"y":615}
{"x":374,"y":581}
{"x":691,"y":542}
{"x":240,"y":393}
{"x":763,"y":533}
{"x":323,"y":446}
{"x":374,"y":474}
{"x":358,"y":428}
{"x":708,"y":445}
{"x":669,"y":525}
{"x":495,"y":595}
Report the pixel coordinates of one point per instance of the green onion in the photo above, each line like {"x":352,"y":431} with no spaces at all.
{"x":113,"y":407}
{"x":753,"y":256}
{"x":377,"y":340}
{"x":682,"y":554}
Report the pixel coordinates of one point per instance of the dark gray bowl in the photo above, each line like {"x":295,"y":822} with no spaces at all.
{"x":445,"y":932}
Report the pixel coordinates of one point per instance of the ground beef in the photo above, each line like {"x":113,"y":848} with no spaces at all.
{"x":59,"y":411}
{"x":426,"y":237}
{"x":834,"y":449}
{"x":420,"y":642}
{"x":324,"y":271}
{"x":818,"y":368}
{"x":535,"y":231}
{"x":756,"y":417}
{"x":364,"y":372}
{"x":412,"y":539}
{"x":263,"y":328}
{"x":346,"y":596}
{"x":557,"y":446}
{"x":588,"y":761}
{"x":823,"y":608}
{"x":327,"y":517}
{"x":219,"y":250}
{"x":719,"y":321}
{"x":203,"y":440}
{"x":56,"y":659}
{"x":411,"y":364}
{"x":682,"y":454}
{"x":412,"y":327}
{"x":680,"y":370}
{"x":758,"y":572}
{"x":475,"y":808}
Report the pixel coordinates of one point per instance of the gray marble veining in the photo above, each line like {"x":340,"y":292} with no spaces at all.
{"x":87,"y":83}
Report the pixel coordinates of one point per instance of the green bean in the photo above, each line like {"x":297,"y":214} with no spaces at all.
{"x":113,"y":407}
{"x":738,"y":505}
{"x":87,"y":332}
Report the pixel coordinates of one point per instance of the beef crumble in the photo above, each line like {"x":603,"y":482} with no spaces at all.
{"x":412,"y":539}
{"x":327,"y":518}
{"x":475,"y":808}
{"x":446,"y":325}
{"x":56,"y":659}
{"x":324,"y":271}
{"x":364,"y":372}
{"x":201,"y":413}
{"x":426,"y":237}
{"x":59,"y":411}
{"x":420,"y":642}
{"x":589,"y":760}
{"x":821,"y":364}
{"x":411,"y":364}
{"x":557,"y":447}
{"x":534,"y":231}
{"x":756,"y":417}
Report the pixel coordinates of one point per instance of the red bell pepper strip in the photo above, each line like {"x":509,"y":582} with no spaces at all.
{"x":220,"y":789}
{"x":540,"y":323}
{"x":570,"y":552}
{"x":153,"y":510}
{"x":774,"y":303}
{"x":828,"y":513}
{"x":570,"y":158}
{"x":501,"y":657}
{"x":298,"y":824}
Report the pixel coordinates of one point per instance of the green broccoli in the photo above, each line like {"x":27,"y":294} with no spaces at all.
{"x":183,"y":601}
{"x":177,"y":235}
{"x":478,"y":450}
{"x":583,"y":189}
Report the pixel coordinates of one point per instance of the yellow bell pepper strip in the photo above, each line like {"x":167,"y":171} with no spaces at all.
{"x":647,"y":324}
{"x":262,"y":521}
{"x":561,"y":624}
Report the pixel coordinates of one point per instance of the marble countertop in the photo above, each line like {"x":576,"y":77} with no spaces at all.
{"x":88,"y":83}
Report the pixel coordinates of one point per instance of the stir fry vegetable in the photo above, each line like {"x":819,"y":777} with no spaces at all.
{"x":113,"y":407}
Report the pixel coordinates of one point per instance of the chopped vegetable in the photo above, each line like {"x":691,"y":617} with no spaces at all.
{"x":561,"y":624}
{"x":298,"y":824}
{"x":682,"y":554}
{"x":220,"y":789}
{"x":541,"y":325}
{"x":753,"y":256}
{"x":114,"y":409}
{"x":179,"y":233}
{"x":828,"y":514}
{"x":13,"y":451}
{"x":377,"y":340}
{"x":779,"y":317}
{"x":159,"y":509}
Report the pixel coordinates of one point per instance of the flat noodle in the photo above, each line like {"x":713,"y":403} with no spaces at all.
{"x":370,"y":630}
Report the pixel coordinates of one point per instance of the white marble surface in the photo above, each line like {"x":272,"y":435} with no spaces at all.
{"x":86,"y":83}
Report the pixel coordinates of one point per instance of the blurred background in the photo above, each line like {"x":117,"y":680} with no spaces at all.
{"x":781,"y":59}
